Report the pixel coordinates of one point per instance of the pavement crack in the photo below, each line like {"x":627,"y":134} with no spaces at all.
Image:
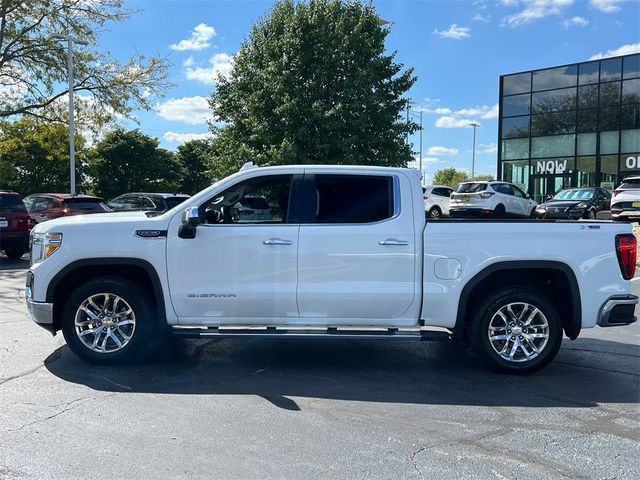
{"x":21,"y":374}
{"x":67,"y":406}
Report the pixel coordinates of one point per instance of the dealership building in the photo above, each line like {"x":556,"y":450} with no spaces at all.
{"x":574,"y":125}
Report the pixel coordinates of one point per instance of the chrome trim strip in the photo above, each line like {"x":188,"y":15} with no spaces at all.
{"x":40,"y":312}
{"x":610,"y":304}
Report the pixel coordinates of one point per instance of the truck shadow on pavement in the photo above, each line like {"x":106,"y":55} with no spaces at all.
{"x":585,"y":373}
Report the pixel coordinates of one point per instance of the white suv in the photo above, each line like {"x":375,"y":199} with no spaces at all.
{"x":625,"y":201}
{"x":436,"y":200}
{"x":498,"y":199}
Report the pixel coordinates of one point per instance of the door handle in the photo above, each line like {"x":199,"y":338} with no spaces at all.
{"x":276,"y":241}
{"x":393,"y":242}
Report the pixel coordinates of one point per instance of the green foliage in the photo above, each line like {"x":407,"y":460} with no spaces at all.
{"x":312,"y":84}
{"x":35,"y":157}
{"x":451,"y":177}
{"x":33,"y":64}
{"x":196,"y":158}
{"x":131,"y":161}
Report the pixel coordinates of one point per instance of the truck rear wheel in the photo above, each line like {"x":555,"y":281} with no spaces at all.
{"x":108,"y":320}
{"x":517,"y":330}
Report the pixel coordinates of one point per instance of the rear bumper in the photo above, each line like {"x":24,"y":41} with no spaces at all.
{"x":618,"y":311}
{"x":470,"y":212}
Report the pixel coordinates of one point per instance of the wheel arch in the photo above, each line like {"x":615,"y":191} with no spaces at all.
{"x":538,"y":274}
{"x":136,"y":269}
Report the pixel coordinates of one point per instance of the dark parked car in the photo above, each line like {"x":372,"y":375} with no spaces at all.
{"x":575,"y":203}
{"x":15,"y":225}
{"x":148,"y":202}
{"x":45,"y":206}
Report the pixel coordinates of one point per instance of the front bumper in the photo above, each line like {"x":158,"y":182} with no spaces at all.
{"x":40,"y":312}
{"x":618,"y":311}
{"x":560,"y":214}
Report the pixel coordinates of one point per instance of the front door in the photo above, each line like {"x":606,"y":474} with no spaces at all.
{"x":241,"y":267}
{"x":544,"y":185}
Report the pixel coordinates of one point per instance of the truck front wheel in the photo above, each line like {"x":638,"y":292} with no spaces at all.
{"x":108,"y":320}
{"x":517,"y":330}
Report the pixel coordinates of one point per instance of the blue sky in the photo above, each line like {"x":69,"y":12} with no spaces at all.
{"x":458,"y":48}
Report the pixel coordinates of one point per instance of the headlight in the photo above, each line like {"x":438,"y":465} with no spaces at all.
{"x":43,"y":245}
{"x":582,"y":205}
{"x":541,"y":207}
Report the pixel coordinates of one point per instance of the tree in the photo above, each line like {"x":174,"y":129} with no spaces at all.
{"x":35,"y":157}
{"x":312,"y":84}
{"x":196,"y":158}
{"x":451,"y":177}
{"x":131,"y":161}
{"x":33,"y":64}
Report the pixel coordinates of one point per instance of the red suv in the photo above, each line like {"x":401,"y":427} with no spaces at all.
{"x":45,"y":206}
{"x":15,"y":225}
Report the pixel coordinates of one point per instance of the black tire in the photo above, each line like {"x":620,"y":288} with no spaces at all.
{"x":141,"y":335}
{"x":14,"y":253}
{"x":522,"y":339}
{"x":499,"y":211}
{"x":453,"y":214}
{"x":435,"y":213}
{"x":590,"y":214}
{"x":533,"y":213}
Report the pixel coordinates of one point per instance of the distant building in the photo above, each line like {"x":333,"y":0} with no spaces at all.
{"x":570,"y":126}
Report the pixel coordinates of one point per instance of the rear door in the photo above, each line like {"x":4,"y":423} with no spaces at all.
{"x":357,"y":252}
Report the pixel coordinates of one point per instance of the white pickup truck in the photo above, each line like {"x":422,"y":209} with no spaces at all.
{"x":343,"y":252}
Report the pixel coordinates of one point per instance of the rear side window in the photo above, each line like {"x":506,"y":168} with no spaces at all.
{"x":11,"y":203}
{"x":471,"y":187}
{"x":85,"y":205}
{"x":353,"y":198}
{"x":173,"y":201}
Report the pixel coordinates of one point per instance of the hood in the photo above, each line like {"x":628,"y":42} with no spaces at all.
{"x":102,"y":221}
{"x":563,"y":203}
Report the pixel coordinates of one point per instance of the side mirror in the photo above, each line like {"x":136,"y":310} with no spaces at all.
{"x":190,"y":220}
{"x":549,"y":196}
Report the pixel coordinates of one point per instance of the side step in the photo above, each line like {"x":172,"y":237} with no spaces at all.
{"x":311,"y":332}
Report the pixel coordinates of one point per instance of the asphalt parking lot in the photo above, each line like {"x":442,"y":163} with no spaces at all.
{"x":312,"y":409}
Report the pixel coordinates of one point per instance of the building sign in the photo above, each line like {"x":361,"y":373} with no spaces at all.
{"x":551,"y":166}
{"x":632,"y":162}
{"x":607,"y":186}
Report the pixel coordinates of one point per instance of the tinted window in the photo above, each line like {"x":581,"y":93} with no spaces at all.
{"x":28,"y":201}
{"x":587,"y":121}
{"x":353,"y":198}
{"x":609,"y":118}
{"x":631,"y":183}
{"x":515,"y":127}
{"x":564,"y":99}
{"x":520,"y":83}
{"x":588,"y":73}
{"x":11,"y":203}
{"x":631,"y":66}
{"x":610,"y":93}
{"x":117,"y":203}
{"x":610,"y":69}
{"x":173,"y":201}
{"x":588,"y":96}
{"x":471,"y":187}
{"x":555,"y":78}
{"x":518,"y":193}
{"x":516,"y":105}
{"x":631,"y":116}
{"x":442,"y":192}
{"x":41,"y":203}
{"x":553,"y":123}
{"x":503,"y":188}
{"x":85,"y":205}
{"x":228,"y":207}
{"x":631,"y":91}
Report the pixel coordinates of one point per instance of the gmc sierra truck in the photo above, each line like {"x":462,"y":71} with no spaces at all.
{"x":340,"y":252}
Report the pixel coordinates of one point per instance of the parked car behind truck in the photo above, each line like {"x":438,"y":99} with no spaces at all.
{"x":46,"y":206}
{"x":15,"y":225}
{"x":490,"y":199}
{"x":347,"y":253}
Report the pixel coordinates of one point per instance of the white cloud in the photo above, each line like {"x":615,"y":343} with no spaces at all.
{"x":439,"y":110}
{"x":188,"y":62}
{"x":491,"y":113}
{"x":575,"y":22}
{"x":189,"y":110}
{"x":481,"y":18}
{"x":199,"y":40}
{"x":175,"y":137}
{"x":509,"y":3}
{"x":455,"y":32}
{"x":535,"y":10}
{"x":488,"y":148}
{"x":438,"y":150}
{"x":453,"y":122}
{"x":484,"y":112}
{"x":623,"y":50}
{"x":606,"y":6}
{"x":221,"y":64}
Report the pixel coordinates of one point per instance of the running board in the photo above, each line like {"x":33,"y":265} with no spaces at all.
{"x":311,"y":332}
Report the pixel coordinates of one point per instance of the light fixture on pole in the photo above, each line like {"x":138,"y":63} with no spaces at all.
{"x":473,"y":154}
{"x":72,"y":154}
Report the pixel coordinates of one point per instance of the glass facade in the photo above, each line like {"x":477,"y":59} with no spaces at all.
{"x":570,"y":126}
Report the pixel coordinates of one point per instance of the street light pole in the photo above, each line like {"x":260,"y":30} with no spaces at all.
{"x":72,"y":151}
{"x":473,"y":154}
{"x":421,"y":175}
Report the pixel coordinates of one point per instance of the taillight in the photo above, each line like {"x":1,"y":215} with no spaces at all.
{"x":615,"y":192}
{"x":626,"y":248}
{"x":486,"y":194}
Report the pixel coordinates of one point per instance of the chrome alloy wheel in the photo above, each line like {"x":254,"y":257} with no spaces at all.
{"x":518,"y":332}
{"x":105,"y":323}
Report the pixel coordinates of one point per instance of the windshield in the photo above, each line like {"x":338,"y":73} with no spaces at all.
{"x":471,"y":187}
{"x":86,"y":205}
{"x":630,"y":183}
{"x":580,"y":194}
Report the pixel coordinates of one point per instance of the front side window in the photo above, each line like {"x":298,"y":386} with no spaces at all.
{"x":353,"y":198}
{"x":254,"y":201}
